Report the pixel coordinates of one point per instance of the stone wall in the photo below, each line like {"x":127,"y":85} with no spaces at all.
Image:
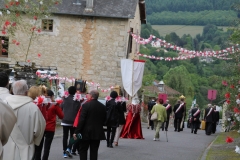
{"x":82,"y":47}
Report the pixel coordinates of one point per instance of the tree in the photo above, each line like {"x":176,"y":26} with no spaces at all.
{"x":15,"y":14}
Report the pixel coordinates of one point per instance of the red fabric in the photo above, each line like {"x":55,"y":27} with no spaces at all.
{"x":43,"y":109}
{"x":139,"y":60}
{"x":132,"y":129}
{"x":52,"y":112}
{"x":75,"y":124}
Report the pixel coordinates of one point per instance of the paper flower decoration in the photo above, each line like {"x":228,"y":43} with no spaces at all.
{"x":66,"y":94}
{"x":229,"y":140}
{"x":121,"y":99}
{"x":39,"y":55}
{"x":41,"y":100}
{"x":28,"y":61}
{"x":59,"y":100}
{"x":108,"y":98}
{"x":77,"y":97}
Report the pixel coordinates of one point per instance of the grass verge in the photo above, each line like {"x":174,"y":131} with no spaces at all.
{"x":220,"y":150}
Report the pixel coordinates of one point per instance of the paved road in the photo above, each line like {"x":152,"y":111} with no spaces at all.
{"x":181,"y":146}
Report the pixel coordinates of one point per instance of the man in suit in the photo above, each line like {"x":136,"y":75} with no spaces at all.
{"x":90,"y":126}
{"x":208,"y":117}
{"x":150,"y":106}
{"x":215,"y":119}
{"x":178,"y":115}
{"x":169,"y":111}
{"x":195,"y":115}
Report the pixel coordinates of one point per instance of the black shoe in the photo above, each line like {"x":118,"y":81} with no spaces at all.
{"x":74,"y":153}
{"x":195,"y":132}
{"x":166,"y":129}
{"x":175,"y":130}
{"x":192,"y":131}
{"x":110,"y":145}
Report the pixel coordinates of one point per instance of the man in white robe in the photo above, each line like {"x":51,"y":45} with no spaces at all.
{"x":4,"y":82}
{"x":29,"y":128}
{"x":7,"y":122}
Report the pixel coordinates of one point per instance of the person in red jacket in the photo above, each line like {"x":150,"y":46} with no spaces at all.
{"x":53,"y":111}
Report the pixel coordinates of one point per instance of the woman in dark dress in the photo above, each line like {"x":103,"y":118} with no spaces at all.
{"x":122,"y":121}
{"x":112,"y":119}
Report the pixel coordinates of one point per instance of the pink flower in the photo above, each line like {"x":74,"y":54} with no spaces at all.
{"x":35,"y":17}
{"x":28,"y":60}
{"x":224,"y":83}
{"x":4,"y":32}
{"x":66,"y":94}
{"x":108,"y":98}
{"x":39,"y":55}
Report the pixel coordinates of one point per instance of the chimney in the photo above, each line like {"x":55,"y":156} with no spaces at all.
{"x":89,"y":6}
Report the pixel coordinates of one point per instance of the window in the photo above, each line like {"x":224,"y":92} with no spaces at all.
{"x":47,"y":25}
{"x":129,"y":50}
{"x":4,"y":46}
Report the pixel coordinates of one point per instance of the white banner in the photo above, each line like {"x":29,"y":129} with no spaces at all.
{"x":132,"y":74}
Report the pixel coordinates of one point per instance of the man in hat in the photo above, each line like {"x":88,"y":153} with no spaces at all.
{"x":182,"y":99}
{"x":169,"y":111}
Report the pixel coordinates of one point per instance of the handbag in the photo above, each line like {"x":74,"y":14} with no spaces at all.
{"x":154,"y":116}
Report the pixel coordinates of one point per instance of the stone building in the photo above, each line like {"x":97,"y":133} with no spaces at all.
{"x":83,"y":39}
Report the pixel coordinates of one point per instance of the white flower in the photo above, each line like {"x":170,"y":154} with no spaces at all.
{"x":236,"y":115}
{"x":26,"y":1}
{"x":8,"y":12}
{"x":0,"y":13}
{"x":238,"y":131}
{"x":238,"y":101}
{"x":237,"y":150}
{"x":41,"y":2}
{"x":16,"y":0}
{"x":46,"y":16}
{"x":77,"y":97}
{"x":238,"y":118}
{"x":229,"y":119}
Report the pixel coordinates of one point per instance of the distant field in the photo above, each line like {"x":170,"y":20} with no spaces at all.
{"x":180,"y":30}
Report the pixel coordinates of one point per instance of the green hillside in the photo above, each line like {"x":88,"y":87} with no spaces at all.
{"x":191,"y":12}
{"x":180,"y":30}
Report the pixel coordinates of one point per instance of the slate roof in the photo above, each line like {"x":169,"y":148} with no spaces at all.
{"x":154,"y":89}
{"x":102,"y":8}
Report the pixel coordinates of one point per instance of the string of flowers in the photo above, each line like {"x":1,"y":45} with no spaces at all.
{"x":157,"y":42}
{"x":71,"y":80}
{"x":183,"y":57}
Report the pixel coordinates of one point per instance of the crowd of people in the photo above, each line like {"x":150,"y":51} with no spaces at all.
{"x":29,"y":120}
{"x":209,"y":120}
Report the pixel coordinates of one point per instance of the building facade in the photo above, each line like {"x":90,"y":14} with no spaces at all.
{"x":83,"y":39}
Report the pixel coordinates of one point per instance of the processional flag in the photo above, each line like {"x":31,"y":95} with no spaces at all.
{"x":132,"y":74}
